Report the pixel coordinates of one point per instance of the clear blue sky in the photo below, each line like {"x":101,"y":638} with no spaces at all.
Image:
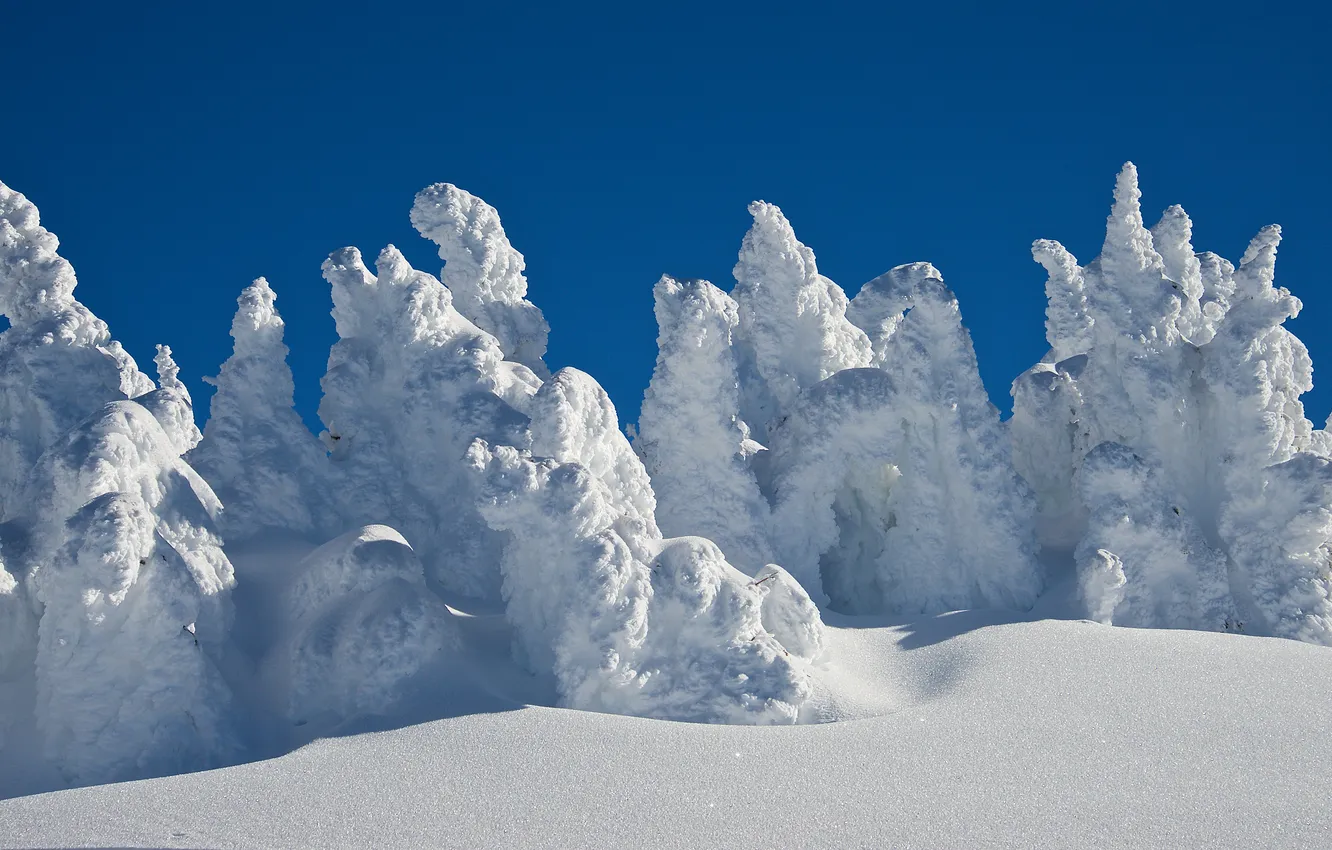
{"x":181,"y":150}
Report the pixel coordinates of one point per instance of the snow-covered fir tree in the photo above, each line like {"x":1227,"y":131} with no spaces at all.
{"x":261,"y":460}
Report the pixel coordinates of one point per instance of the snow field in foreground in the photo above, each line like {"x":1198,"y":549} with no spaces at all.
{"x":1047,"y":734}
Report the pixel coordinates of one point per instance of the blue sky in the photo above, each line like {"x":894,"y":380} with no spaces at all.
{"x":180,"y":152}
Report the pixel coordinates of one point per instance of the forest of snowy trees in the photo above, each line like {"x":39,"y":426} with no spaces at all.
{"x":799,"y":452}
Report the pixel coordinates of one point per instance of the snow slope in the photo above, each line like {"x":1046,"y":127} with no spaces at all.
{"x":1040,"y":734}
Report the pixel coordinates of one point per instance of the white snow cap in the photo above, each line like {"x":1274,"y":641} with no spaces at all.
{"x":482,"y":270}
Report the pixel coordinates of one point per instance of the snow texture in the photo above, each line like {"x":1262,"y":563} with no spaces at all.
{"x":263,"y":463}
{"x":483,"y":271}
{"x":363,"y":623}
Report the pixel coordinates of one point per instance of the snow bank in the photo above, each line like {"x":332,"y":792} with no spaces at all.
{"x":261,"y":460}
{"x":363,"y":623}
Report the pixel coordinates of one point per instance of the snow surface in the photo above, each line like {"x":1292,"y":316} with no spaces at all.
{"x":974,"y":733}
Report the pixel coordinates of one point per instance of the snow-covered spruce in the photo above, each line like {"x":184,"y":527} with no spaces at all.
{"x":1168,"y":575}
{"x":693,"y":442}
{"x":362,"y":623}
{"x":267,"y":468}
{"x":1189,"y":370}
{"x":894,"y":487}
{"x":1274,"y":518}
{"x":627,"y":622}
{"x":793,"y":329}
{"x":171,"y":405}
{"x":131,"y":581}
{"x":483,"y":271}
{"x":58,"y":362}
{"x":410,"y":383}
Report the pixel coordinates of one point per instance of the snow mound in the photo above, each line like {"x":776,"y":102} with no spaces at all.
{"x":363,"y":623}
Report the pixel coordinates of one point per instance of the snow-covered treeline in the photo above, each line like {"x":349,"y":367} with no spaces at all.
{"x":797,"y":452}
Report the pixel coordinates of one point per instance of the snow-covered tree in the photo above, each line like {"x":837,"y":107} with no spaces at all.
{"x":58,"y":362}
{"x":1206,"y":503}
{"x":793,"y":328}
{"x":1274,"y":514}
{"x":894,"y":487}
{"x":483,"y":271}
{"x":265,"y":465}
{"x":132,"y":584}
{"x":625,"y":621}
{"x":171,"y":404}
{"x":692,"y":440}
{"x":1171,"y":576}
{"x":410,"y":383}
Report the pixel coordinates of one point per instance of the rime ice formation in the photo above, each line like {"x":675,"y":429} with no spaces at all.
{"x":131,"y":581}
{"x":693,"y":442}
{"x":267,"y":468}
{"x":410,"y":383}
{"x":627,"y":622}
{"x":1188,"y":369}
{"x":868,"y":473}
{"x":483,"y":271}
{"x":796,"y":450}
{"x":363,"y":623}
{"x":792,"y":320}
{"x":58,"y":362}
{"x":171,"y":404}
{"x":1171,"y":576}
